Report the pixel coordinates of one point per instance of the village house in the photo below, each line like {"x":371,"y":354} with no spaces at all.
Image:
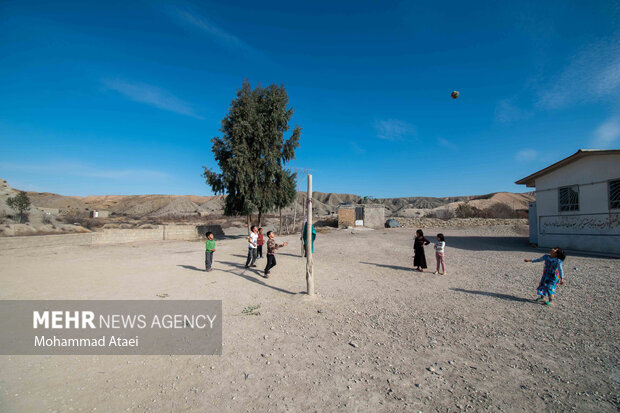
{"x":577,"y":202}
{"x":361,"y":215}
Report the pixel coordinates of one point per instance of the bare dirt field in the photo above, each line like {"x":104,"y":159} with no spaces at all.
{"x":379,"y":337}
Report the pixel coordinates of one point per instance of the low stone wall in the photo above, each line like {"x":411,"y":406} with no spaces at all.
{"x":456,"y":222}
{"x":42,"y":241}
{"x":107,"y":236}
{"x":120,"y":236}
{"x":180,"y":232}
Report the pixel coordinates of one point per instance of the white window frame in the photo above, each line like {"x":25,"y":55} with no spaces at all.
{"x":574,"y":188}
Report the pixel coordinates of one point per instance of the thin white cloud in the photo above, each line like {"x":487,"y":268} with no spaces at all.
{"x":592,"y":74}
{"x":356,"y":148}
{"x":507,"y":112}
{"x":447,"y":144}
{"x":527,"y":155}
{"x":190,"y":18}
{"x":607,"y":135}
{"x":84,"y":170}
{"x":394,"y":130}
{"x":151,"y":95}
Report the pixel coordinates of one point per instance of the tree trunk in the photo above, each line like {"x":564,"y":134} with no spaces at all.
{"x":260,"y":219}
{"x":280,"y":230}
{"x":249,"y":224}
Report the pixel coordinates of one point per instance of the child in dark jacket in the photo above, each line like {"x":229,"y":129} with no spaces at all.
{"x":271,"y":252}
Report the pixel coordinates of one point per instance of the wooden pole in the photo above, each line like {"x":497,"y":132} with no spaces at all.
{"x":295,"y":212}
{"x":309,"y":262}
{"x":301,"y":237}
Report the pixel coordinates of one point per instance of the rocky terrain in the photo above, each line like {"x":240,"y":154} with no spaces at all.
{"x":378,"y":337}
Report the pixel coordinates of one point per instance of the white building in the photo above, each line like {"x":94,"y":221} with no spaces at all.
{"x":578,"y":202}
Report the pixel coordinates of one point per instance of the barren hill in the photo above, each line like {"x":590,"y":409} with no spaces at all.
{"x":193,"y":205}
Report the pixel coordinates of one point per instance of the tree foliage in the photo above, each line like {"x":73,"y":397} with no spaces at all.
{"x":20,"y":204}
{"x":252,"y":152}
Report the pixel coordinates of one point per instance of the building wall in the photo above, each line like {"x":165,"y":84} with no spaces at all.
{"x":374,"y":217}
{"x":346,"y":217}
{"x":594,"y":227}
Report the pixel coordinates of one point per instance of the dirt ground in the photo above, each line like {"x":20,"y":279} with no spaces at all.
{"x":379,"y":337}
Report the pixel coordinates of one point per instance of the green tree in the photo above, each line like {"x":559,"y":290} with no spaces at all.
{"x":20,"y":204}
{"x":252,"y":151}
{"x":286,"y":191}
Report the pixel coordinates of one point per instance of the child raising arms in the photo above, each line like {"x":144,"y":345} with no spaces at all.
{"x":553,"y":274}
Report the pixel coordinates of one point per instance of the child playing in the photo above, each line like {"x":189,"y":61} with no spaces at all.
{"x":439,"y":251}
{"x":252,"y":240}
{"x":552,"y":274}
{"x":419,"y":259}
{"x":271,"y":252}
{"x":260,"y":243}
{"x":209,"y":250}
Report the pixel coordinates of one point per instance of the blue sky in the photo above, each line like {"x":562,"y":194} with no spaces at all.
{"x":124,"y":97}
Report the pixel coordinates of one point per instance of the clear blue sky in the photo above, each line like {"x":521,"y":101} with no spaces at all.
{"x":124,"y":97}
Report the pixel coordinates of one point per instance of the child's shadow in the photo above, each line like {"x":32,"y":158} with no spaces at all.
{"x":496,"y":295}
{"x":190,"y":267}
{"x":256,"y":271}
{"x":393,"y":267}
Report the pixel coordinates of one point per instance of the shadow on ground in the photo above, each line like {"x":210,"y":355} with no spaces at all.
{"x":393,"y":267}
{"x":289,"y":254}
{"x":482,"y":243}
{"x":256,"y":271}
{"x":190,"y":267}
{"x":495,"y":295}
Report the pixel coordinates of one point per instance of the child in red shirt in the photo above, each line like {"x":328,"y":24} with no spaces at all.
{"x":260,"y":243}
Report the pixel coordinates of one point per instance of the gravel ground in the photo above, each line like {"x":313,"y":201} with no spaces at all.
{"x":379,"y":337}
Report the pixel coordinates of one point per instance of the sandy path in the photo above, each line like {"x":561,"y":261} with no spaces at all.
{"x":489,"y":346}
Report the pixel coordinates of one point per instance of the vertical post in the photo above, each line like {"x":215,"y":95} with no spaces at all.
{"x":295,"y":212}
{"x":302,"y":247}
{"x":280,"y":230}
{"x":309,"y":262}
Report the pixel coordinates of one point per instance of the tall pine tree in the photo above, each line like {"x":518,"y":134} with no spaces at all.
{"x":252,"y":152}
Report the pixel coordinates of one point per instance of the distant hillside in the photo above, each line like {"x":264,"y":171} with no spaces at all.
{"x":193,"y":205}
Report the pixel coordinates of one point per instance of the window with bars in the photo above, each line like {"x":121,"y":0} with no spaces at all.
{"x":614,"y":194}
{"x":569,"y":198}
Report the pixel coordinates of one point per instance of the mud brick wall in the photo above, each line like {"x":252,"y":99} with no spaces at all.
{"x":346,"y":217}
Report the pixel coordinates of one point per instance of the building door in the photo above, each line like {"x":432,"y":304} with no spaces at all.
{"x":359,"y":215}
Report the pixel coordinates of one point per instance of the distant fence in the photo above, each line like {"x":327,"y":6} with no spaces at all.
{"x":107,"y":236}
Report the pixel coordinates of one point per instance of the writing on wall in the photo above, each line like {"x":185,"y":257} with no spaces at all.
{"x":593,"y":224}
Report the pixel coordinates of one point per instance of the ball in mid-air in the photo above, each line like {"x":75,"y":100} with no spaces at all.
{"x":455,"y":94}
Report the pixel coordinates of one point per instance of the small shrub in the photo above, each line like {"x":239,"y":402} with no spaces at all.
{"x":465,"y":211}
{"x":251,"y":310}
{"x":499,"y":211}
{"x":47,"y":219}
